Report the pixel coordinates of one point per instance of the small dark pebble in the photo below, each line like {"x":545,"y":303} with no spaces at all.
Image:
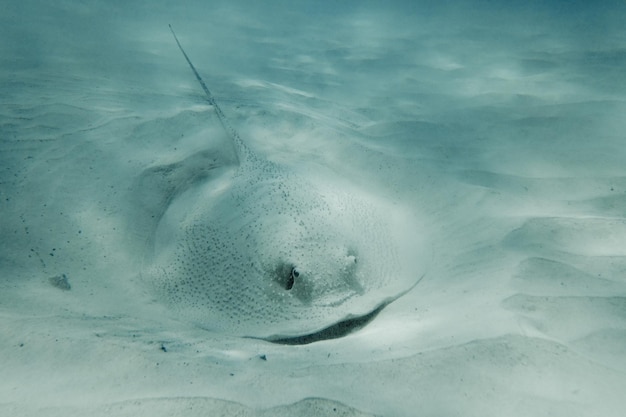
{"x":60,"y":282}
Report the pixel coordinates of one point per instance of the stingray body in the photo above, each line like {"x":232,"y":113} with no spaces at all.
{"x":261,"y":252}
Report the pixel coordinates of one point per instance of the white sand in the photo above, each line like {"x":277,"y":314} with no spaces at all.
{"x":501,"y":128}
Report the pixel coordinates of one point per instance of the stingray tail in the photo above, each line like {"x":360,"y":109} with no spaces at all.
{"x":243,"y":152}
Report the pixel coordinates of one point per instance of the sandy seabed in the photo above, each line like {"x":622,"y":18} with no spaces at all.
{"x":500,"y":128}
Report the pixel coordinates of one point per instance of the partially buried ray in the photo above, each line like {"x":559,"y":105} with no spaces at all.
{"x":262,"y":252}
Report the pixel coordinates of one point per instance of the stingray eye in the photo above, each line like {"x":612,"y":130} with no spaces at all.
{"x":292,"y":278}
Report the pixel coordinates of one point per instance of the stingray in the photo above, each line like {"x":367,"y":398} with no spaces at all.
{"x":261,"y":252}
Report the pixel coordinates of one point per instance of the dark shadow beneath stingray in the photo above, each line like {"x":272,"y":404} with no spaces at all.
{"x":339,"y":329}
{"x":335,"y":331}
